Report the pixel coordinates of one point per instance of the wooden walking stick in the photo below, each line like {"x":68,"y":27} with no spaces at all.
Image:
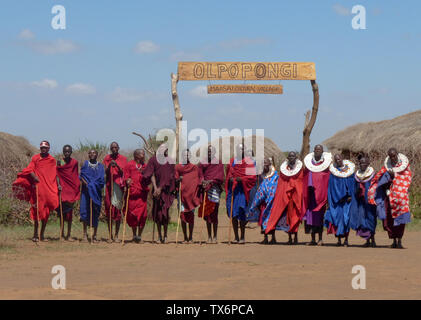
{"x":90,"y":229}
{"x":38,"y":219}
{"x":125,"y":215}
{"x":203,"y":216}
{"x":179,"y":214}
{"x":61,"y":216}
{"x":232,"y":200}
{"x":110,"y":227}
{"x":154,"y":205}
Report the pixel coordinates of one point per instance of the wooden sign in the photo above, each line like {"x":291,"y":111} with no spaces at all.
{"x":245,"y":88}
{"x":246,"y":71}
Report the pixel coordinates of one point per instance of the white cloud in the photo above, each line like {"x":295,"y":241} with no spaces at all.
{"x":46,"y":47}
{"x":146,"y":47}
{"x":45,"y":83}
{"x":53,"y":47}
{"x":341,"y":10}
{"x":26,"y":34}
{"x":81,"y":88}
{"x":123,"y":95}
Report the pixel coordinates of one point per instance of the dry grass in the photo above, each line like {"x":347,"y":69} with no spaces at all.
{"x":16,"y":154}
{"x":403,"y":132}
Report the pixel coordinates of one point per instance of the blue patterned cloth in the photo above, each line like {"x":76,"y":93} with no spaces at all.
{"x":239,"y":206}
{"x":95,"y":179}
{"x":362,"y":214}
{"x":338,"y":213}
{"x":264,"y":195}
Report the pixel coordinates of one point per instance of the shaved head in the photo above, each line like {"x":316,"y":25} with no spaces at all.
{"x":138,"y":151}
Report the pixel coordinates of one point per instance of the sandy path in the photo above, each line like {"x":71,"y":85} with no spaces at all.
{"x":251,"y":271}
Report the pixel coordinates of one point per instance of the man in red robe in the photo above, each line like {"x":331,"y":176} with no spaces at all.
{"x":161,"y":171}
{"x":212,"y":172}
{"x":37,"y":184}
{"x":241,"y":178}
{"x":68,"y":179}
{"x":188,"y":177}
{"x":114,"y":164}
{"x":288,"y":197}
{"x":138,"y":198}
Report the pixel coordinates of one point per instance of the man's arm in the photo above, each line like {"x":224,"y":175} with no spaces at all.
{"x":157,"y":191}
{"x":58,"y":183}
{"x":34,"y":177}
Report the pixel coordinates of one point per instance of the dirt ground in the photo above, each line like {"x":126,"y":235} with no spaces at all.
{"x":212,"y":271}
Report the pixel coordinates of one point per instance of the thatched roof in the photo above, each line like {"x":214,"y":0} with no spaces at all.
{"x":270,"y":147}
{"x":16,"y":152}
{"x":403,"y":133}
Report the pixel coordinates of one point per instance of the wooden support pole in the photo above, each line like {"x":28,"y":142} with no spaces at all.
{"x":177,"y":112}
{"x":310,"y":120}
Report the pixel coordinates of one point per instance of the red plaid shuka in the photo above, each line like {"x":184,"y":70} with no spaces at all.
{"x":398,"y":197}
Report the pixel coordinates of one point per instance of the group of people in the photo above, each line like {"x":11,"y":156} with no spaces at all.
{"x":321,"y":192}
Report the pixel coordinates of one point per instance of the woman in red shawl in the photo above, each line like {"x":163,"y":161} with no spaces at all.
{"x":389,"y":191}
{"x":138,"y":199}
{"x":114,"y":164}
{"x":288,"y":197}
{"x":241,"y":178}
{"x":37,"y":184}
{"x":68,"y":178}
{"x":213,"y":174}
{"x":316,"y":182}
{"x":187,"y":174}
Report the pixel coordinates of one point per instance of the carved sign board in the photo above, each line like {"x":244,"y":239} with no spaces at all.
{"x":245,"y":88}
{"x":246,"y":71}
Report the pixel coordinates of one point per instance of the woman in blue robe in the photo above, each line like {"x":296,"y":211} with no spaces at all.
{"x":341,"y":192}
{"x":363,"y":216}
{"x":260,"y":207}
{"x":92,"y":177}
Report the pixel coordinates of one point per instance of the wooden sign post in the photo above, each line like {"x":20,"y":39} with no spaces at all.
{"x":245,"y":88}
{"x":194,"y":71}
{"x":246,"y":71}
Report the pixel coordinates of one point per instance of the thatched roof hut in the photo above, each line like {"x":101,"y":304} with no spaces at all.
{"x":375,"y":138}
{"x":16,"y":152}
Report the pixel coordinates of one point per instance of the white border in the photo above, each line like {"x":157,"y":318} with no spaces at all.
{"x":404,"y":163}
{"x":289,"y":173}
{"x":340,"y":174}
{"x":367,"y":175}
{"x":327,"y":160}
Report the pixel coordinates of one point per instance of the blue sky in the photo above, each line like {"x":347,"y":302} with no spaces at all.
{"x":108,"y":73}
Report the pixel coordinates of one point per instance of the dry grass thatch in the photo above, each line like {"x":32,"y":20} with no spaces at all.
{"x":403,"y":133}
{"x":16,"y":152}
